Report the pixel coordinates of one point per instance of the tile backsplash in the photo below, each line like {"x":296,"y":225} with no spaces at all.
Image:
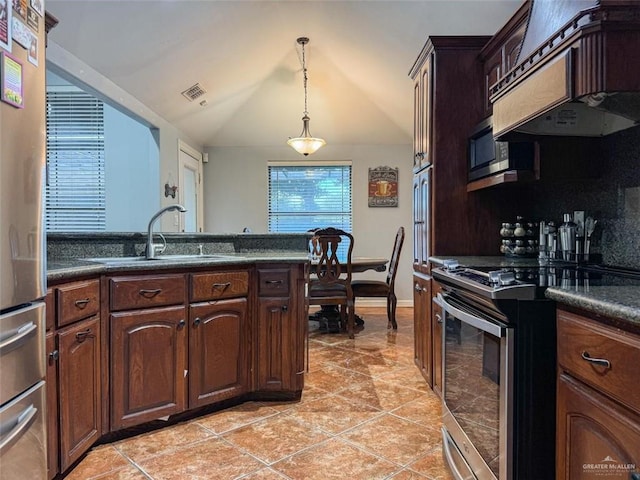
{"x":613,"y":198}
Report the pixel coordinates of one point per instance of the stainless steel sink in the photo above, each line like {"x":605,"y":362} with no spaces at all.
{"x":159,"y":258}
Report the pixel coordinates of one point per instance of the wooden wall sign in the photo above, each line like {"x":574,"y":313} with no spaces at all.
{"x":383,"y":187}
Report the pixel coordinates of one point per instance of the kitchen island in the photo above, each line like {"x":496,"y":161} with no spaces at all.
{"x":134,"y":343}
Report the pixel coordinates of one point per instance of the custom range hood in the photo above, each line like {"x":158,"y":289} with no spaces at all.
{"x":577,"y":73}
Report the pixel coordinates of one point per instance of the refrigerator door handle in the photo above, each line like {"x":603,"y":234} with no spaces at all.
{"x":15,"y":340}
{"x":25,"y":419}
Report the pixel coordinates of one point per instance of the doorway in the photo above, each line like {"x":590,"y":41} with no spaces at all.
{"x":190,"y":187}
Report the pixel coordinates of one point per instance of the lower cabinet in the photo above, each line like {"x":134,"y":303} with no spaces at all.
{"x":167,"y":343}
{"x":74,"y":393}
{"x":80,"y":407}
{"x":436,"y":330}
{"x":218,"y":351}
{"x":594,"y":433}
{"x":423,"y":355}
{"x":598,"y":404}
{"x":148,"y":363}
{"x":281,"y":330}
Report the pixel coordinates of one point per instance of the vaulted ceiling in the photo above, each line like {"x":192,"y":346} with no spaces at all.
{"x":245,"y":55}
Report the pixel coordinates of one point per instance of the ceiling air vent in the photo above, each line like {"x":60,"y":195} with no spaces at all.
{"x":194,"y":92}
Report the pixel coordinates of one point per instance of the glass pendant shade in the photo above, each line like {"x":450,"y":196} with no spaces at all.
{"x":305,"y":143}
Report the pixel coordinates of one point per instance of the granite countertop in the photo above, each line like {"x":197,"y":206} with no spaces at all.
{"x":619,"y":302}
{"x":70,"y":254}
{"x":65,"y":269}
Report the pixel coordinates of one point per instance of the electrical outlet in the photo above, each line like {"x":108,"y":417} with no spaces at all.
{"x":176,"y":220}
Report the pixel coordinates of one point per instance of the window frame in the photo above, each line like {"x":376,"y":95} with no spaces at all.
{"x":343,"y":208}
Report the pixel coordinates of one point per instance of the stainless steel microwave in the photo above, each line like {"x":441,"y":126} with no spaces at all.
{"x":488,"y":157}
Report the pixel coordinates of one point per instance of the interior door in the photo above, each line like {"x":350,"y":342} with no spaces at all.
{"x":190,"y":188}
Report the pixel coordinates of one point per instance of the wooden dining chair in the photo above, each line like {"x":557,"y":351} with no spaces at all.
{"x":379,"y":288}
{"x":331,"y":283}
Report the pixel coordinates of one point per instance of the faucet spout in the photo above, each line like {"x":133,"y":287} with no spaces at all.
{"x":152,"y":247}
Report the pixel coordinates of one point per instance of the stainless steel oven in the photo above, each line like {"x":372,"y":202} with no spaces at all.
{"x":477,"y":392}
{"x":498,"y":376}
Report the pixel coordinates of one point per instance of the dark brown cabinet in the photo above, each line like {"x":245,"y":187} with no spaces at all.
{"x":422,"y":113}
{"x":53,"y":452}
{"x":79,"y":389}
{"x":421,"y":220}
{"x":281,"y":329}
{"x":436,"y":338}
{"x":422,"y":326}
{"x":148,"y":363}
{"x":218,"y":351}
{"x":598,"y":413}
{"x":74,"y":394}
{"x":500,"y":54}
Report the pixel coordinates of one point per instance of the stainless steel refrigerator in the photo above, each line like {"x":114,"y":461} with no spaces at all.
{"x":22,"y":244}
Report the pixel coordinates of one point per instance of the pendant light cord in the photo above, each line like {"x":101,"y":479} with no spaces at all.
{"x":304,"y":76}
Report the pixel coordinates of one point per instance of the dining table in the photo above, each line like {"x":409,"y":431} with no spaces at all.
{"x":329,"y":315}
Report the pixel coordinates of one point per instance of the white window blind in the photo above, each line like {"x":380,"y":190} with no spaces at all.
{"x":306,"y":196}
{"x":75,"y":193}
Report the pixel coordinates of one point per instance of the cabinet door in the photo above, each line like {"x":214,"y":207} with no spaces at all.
{"x":426,"y":77}
{"x":52,"y":405}
{"x":422,"y":326}
{"x":417,"y":124}
{"x":417,"y":224}
{"x":436,"y":330}
{"x":277,"y":344}
{"x":148,"y":365}
{"x":80,"y":397}
{"x":218,"y":351}
{"x":594,"y":434}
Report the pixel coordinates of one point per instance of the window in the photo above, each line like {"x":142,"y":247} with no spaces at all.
{"x":306,"y":196}
{"x":75,"y":193}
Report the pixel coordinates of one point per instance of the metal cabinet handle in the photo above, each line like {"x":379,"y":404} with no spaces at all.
{"x":603,"y":362}
{"x":54,"y":356}
{"x":150,"y":293}
{"x":181,"y":324}
{"x":82,"y":303}
{"x":197,"y":321}
{"x":273,"y":282}
{"x":417,"y":288}
{"x":82,"y":336}
{"x":438,"y":318}
{"x":285,"y":308}
{"x":221,"y":286}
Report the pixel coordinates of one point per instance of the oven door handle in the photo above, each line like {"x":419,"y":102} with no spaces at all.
{"x":484,"y":325}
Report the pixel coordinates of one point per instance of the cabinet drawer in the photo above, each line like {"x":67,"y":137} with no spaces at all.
{"x":77,"y":300}
{"x":145,"y":291}
{"x":583,"y":342}
{"x":273,"y":282}
{"x":212,"y":286}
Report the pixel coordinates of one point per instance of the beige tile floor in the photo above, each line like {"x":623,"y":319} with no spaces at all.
{"x":365,"y":413}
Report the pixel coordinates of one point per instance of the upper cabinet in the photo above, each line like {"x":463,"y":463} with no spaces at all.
{"x":421,"y":113}
{"x":500,"y":54}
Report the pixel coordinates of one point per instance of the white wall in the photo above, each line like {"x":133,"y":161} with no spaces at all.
{"x":167,"y":135}
{"x":236,"y":195}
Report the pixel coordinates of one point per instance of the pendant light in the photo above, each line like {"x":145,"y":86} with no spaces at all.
{"x":305,"y":143}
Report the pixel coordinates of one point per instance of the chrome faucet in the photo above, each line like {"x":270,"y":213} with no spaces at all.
{"x":153,"y":248}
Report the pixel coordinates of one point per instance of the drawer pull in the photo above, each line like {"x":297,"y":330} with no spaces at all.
{"x":221,"y":286}
{"x":596,"y":361}
{"x":82,"y":303}
{"x":273,"y":282}
{"x":82,"y":336}
{"x":150,"y":293}
{"x":438,"y":318}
